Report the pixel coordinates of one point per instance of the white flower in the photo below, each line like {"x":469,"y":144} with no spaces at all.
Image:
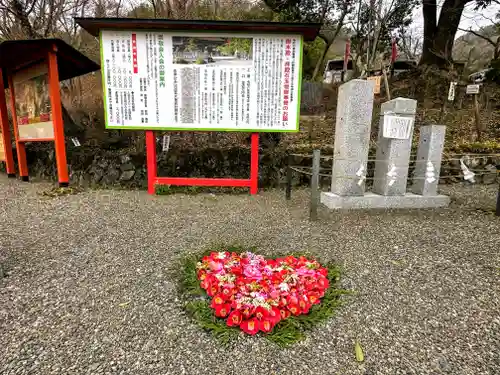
{"x":284,"y":287}
{"x":221,"y":255}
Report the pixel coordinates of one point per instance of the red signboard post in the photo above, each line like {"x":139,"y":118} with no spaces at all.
{"x":154,"y":180}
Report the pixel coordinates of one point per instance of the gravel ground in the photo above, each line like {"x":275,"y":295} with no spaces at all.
{"x":89,"y":286}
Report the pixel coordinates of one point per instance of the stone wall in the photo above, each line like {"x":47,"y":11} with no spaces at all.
{"x":124,"y":168}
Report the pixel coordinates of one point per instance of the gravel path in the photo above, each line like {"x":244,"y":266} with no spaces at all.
{"x":89,"y":287}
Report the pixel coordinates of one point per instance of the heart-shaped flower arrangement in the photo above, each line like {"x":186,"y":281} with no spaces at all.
{"x":255,"y":293}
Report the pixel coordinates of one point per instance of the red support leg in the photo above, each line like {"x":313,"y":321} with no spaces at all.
{"x":21,"y":150}
{"x":254,"y":164}
{"x":4,"y":124}
{"x":151,"y":160}
{"x":57,"y":119}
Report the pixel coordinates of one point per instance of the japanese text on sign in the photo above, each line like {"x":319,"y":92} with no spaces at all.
{"x":397,"y":127}
{"x":201,"y":81}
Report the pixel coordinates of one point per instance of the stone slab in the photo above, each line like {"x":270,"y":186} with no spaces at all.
{"x":430,"y":150}
{"x":393,"y":155}
{"x":372,"y":200}
{"x":352,"y":136}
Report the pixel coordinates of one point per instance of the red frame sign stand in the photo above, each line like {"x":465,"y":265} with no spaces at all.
{"x":154,"y":179}
{"x":61,"y":62}
{"x":58,"y":139}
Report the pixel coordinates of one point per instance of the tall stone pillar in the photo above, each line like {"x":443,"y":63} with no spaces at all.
{"x":393,"y":149}
{"x":352,"y":137}
{"x":428,"y":163}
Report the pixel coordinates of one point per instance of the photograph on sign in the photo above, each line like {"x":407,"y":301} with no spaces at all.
{"x":33,"y":108}
{"x":201,"y":81}
{"x":397,"y":127}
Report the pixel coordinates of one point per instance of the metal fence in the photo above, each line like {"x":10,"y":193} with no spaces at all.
{"x":315,"y":171}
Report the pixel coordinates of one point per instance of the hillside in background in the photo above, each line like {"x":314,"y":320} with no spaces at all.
{"x":482,"y":51}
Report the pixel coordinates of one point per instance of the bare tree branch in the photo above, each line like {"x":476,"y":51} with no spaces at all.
{"x":479,"y":36}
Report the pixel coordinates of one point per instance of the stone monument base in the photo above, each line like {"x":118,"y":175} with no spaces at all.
{"x":371,"y":200}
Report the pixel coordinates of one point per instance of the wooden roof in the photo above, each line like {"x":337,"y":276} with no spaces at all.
{"x":18,"y":54}
{"x":94,"y":25}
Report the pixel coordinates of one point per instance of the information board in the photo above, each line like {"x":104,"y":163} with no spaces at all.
{"x":472,"y":89}
{"x":201,"y":81}
{"x":33,"y":108}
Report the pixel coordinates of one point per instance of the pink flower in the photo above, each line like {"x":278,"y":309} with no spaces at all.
{"x":215,"y":266}
{"x":252,"y":273}
{"x":302,"y":271}
{"x":274,"y":294}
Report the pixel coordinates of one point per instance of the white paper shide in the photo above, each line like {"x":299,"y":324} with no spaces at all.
{"x":201,"y":81}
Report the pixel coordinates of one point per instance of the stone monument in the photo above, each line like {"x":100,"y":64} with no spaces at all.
{"x":352,"y":136}
{"x":393,"y":154}
{"x":428,"y":163}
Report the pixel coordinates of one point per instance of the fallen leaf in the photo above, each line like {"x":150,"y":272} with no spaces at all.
{"x":123,"y":304}
{"x":360,"y":357}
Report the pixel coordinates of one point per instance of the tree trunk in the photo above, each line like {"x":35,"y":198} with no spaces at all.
{"x":321,"y":60}
{"x":440,"y":36}
{"x":329,"y":41}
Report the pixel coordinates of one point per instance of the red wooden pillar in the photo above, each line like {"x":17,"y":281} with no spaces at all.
{"x":20,"y":148}
{"x":254,"y":164}
{"x":151,"y":160}
{"x":57,"y":119}
{"x":4,"y":124}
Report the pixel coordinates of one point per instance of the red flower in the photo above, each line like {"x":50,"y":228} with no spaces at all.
{"x":285,"y":314}
{"x":304,"y":306}
{"x":247,"y":312}
{"x":266,"y":325}
{"x":234,"y":319}
{"x":205,"y":284}
{"x":313,"y":298}
{"x":292,"y":300}
{"x":227,"y":292}
{"x":294,"y":309}
{"x":323,"y":282}
{"x":274,"y":315}
{"x":250,"y":326}
{"x":217,"y":300}
{"x":261,"y":312}
{"x":236,"y":270}
{"x":222,"y":310}
{"x":213,"y":290}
